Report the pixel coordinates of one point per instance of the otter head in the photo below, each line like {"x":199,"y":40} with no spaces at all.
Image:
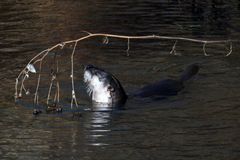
{"x":103,"y":87}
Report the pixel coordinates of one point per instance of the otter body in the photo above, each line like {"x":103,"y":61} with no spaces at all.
{"x":105,"y":88}
{"x":168,"y":87}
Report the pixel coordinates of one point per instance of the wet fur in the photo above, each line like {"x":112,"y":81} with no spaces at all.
{"x":168,"y":87}
{"x":104,"y":87}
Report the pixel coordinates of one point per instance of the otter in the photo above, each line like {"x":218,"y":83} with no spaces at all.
{"x":105,"y":88}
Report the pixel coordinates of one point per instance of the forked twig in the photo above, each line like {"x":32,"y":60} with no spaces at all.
{"x":41,"y":56}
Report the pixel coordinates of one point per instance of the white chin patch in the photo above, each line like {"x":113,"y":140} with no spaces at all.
{"x":97,"y":89}
{"x":101,"y":96}
{"x":87,"y":76}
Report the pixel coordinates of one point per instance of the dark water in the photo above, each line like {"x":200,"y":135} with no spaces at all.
{"x":202,"y":122}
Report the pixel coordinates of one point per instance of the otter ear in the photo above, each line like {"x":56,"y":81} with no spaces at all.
{"x":110,"y":88}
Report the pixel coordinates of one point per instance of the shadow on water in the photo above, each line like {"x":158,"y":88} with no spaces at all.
{"x":201,"y":122}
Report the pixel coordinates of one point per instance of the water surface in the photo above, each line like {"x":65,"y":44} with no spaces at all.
{"x":202,"y":122}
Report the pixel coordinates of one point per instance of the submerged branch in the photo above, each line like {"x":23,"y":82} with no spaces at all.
{"x":41,"y":56}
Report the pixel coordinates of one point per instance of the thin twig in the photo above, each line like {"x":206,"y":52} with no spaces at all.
{"x":41,"y":56}
{"x":128,"y":47}
{"x":22,"y":85}
{"x":38,"y":82}
{"x":16,"y":90}
{"x":204,"y":49}
{"x":58,"y":88}
{"x":49,"y":90}
{"x":56,"y":97}
{"x":87,"y":32}
{"x":73,"y":89}
{"x":173,"y":51}
{"x":230,"y":49}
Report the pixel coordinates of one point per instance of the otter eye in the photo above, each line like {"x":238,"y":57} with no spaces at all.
{"x":110,"y":88}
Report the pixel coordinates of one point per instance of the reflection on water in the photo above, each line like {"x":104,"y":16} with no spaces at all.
{"x":98,"y":127}
{"x":202,"y":122}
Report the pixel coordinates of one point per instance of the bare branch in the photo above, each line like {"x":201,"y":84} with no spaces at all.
{"x":73,"y":89}
{"x":204,"y":49}
{"x":128,"y":47}
{"x":57,"y":93}
{"x":230,"y":49}
{"x":105,"y":40}
{"x":22,"y":84}
{"x":49,"y":90}
{"x":43,"y":54}
{"x":87,"y":32}
{"x":56,"y":96}
{"x":16,"y":90}
{"x":173,"y":51}
{"x":38,"y":82}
